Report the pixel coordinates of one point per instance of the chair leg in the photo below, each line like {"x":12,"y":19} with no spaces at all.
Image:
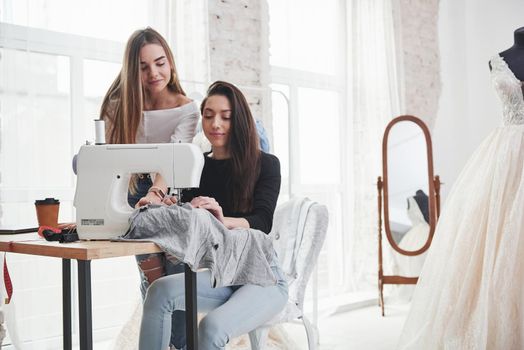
{"x":258,"y":338}
{"x":312,"y":334}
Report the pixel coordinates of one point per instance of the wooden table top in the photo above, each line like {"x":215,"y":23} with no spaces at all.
{"x":31,"y":243}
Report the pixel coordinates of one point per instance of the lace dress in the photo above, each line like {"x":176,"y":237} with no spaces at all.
{"x":470,"y":292}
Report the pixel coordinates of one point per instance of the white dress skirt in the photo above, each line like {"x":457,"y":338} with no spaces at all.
{"x":410,"y":266}
{"x":470,"y":293}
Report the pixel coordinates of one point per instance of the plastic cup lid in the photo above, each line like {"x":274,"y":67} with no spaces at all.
{"x":47,"y":201}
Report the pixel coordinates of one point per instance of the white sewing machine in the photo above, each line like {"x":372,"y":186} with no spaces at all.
{"x":104,"y":171}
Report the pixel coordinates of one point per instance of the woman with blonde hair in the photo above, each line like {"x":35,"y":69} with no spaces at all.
{"x":146,"y":104}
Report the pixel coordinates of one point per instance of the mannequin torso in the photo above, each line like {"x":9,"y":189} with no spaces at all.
{"x":514,"y":56}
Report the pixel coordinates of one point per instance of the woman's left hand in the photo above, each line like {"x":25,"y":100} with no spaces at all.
{"x":210,"y":204}
{"x":169,"y":200}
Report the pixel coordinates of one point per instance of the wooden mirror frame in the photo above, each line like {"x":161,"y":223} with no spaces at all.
{"x":383,"y":206}
{"x":431,"y":186}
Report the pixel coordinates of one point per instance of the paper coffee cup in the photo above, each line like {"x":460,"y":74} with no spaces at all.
{"x":47,"y":212}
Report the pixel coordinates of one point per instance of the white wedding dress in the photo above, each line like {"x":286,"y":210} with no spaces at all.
{"x":410,"y":266}
{"x":414,"y":239}
{"x":470,"y":293}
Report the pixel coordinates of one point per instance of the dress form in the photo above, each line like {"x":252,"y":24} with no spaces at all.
{"x":514,"y":56}
{"x":466,"y":296}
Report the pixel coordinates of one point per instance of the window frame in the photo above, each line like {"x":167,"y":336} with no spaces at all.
{"x":338,"y":83}
{"x":77,"y":49}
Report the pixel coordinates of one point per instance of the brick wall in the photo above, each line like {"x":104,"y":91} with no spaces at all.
{"x":238,"y":53}
{"x":418,"y":55}
{"x":1,"y":113}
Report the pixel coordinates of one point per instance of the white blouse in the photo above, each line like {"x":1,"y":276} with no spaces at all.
{"x":169,"y":125}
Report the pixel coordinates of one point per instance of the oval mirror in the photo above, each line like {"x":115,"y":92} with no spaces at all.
{"x":409,"y":194}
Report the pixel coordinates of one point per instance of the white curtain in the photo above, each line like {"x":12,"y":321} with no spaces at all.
{"x":309,"y":121}
{"x":189,"y":39}
{"x":364,"y":87}
{"x":375,"y":96}
{"x":57,"y":60}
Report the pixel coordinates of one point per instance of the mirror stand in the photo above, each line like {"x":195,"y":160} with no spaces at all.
{"x":395,"y":279}
{"x":406,"y":138}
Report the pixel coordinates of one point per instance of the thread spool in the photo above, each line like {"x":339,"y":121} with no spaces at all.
{"x":100,"y":132}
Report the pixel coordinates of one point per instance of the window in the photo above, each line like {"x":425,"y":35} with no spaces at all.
{"x":66,"y":54}
{"x":93,"y":19}
{"x":57,"y":60}
{"x":310,"y":119}
{"x":305,"y":36}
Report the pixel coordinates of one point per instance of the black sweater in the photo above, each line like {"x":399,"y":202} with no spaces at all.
{"x":215,"y":182}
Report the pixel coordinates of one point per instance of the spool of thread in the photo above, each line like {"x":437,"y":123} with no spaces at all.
{"x":100,"y":132}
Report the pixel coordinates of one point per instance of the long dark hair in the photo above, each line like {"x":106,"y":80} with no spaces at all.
{"x":243,"y":146}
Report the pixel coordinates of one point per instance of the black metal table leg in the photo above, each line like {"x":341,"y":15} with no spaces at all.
{"x":66,"y":304}
{"x":84,"y":305}
{"x":191,"y":309}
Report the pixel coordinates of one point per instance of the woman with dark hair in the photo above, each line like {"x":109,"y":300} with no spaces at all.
{"x":239,"y":186}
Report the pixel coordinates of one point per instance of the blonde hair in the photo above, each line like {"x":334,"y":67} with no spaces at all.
{"x":123,"y":103}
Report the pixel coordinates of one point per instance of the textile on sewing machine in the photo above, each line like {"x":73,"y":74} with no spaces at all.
{"x":103,"y":174}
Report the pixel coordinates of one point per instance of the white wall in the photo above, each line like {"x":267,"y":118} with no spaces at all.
{"x":470,"y":33}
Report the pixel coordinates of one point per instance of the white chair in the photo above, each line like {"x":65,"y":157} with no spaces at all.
{"x":299,"y":230}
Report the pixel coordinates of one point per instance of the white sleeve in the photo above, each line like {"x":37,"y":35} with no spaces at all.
{"x":185,"y":129}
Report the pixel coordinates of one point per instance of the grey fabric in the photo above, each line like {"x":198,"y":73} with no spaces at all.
{"x":196,"y":237}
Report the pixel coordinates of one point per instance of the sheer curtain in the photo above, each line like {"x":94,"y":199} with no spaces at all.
{"x":189,"y":39}
{"x":310,"y":121}
{"x":375,"y":99}
{"x":335,"y":86}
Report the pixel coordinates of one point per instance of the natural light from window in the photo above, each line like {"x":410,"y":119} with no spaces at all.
{"x":109,"y":20}
{"x":305,"y":35}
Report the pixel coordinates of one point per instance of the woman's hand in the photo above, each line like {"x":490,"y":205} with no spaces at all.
{"x":169,"y":200}
{"x":149,"y":198}
{"x":210,"y":204}
{"x":152,"y":198}
{"x":67,"y":226}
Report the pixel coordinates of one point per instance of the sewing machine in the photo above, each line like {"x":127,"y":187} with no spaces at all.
{"x":103,"y":174}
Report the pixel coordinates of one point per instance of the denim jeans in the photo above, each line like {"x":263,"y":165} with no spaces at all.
{"x":231,"y":311}
{"x":178,"y":336}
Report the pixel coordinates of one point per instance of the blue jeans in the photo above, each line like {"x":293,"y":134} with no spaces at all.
{"x":178,"y":336}
{"x":232,"y":311}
